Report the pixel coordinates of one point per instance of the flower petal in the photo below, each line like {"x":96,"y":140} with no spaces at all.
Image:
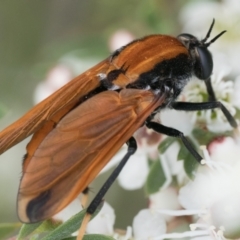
{"x":165,"y":199}
{"x":148,"y":224}
{"x":103,"y":222}
{"x":134,"y":174}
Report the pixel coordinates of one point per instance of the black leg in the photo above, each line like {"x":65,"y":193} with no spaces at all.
{"x":132,"y":147}
{"x":174,"y":133}
{"x":211,"y":94}
{"x":187,"y":106}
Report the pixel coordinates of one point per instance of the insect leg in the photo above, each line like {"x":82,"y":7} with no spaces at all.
{"x":187,"y":106}
{"x":132,"y":147}
{"x":174,"y":133}
{"x":211,"y":94}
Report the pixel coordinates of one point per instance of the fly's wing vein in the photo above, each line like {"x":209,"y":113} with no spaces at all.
{"x":53,"y":108}
{"x":71,"y":156}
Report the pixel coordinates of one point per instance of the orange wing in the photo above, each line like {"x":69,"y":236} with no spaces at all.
{"x":75,"y":151}
{"x":51,"y":110}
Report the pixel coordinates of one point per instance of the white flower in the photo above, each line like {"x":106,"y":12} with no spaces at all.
{"x":120,"y":38}
{"x":73,"y":208}
{"x":236,"y":96}
{"x":195,"y":91}
{"x":148,"y":224}
{"x":175,"y":166}
{"x":165,"y":199}
{"x":224,"y":149}
{"x":56,"y":78}
{"x":177,"y":119}
{"x":215,"y":188}
{"x":67,"y":68}
{"x":134,"y":173}
{"x":103,"y":223}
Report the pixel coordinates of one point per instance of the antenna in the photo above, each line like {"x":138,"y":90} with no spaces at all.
{"x":208,"y":35}
{"x":215,"y":38}
{"x":209,"y":32}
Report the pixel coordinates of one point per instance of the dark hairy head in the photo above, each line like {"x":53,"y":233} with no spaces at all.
{"x":198,"y":49}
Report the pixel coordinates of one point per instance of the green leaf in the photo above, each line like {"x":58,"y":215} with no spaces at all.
{"x":204,"y":137}
{"x":27,"y":229}
{"x":237,"y":115}
{"x":183,"y":153}
{"x":190,"y":165}
{"x":165,"y":144}
{"x":70,"y":238}
{"x":70,"y":226}
{"x":8,"y":229}
{"x":156,"y":178}
{"x":40,"y":227}
{"x":97,"y":237}
{"x":92,"y":237}
{"x":48,"y":225}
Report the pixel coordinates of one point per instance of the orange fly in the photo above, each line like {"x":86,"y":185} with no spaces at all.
{"x":79,"y":128}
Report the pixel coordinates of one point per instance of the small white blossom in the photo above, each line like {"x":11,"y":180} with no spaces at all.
{"x":165,"y":199}
{"x":73,"y":208}
{"x":120,"y":38}
{"x":134,"y":174}
{"x":175,"y":166}
{"x":195,"y":91}
{"x":56,"y":78}
{"x":236,"y":96}
{"x":215,"y":188}
{"x":148,"y":224}
{"x":103,"y":223}
{"x":67,"y":68}
{"x":179,"y":120}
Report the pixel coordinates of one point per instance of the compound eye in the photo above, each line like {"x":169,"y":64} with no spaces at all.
{"x":204,"y":63}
